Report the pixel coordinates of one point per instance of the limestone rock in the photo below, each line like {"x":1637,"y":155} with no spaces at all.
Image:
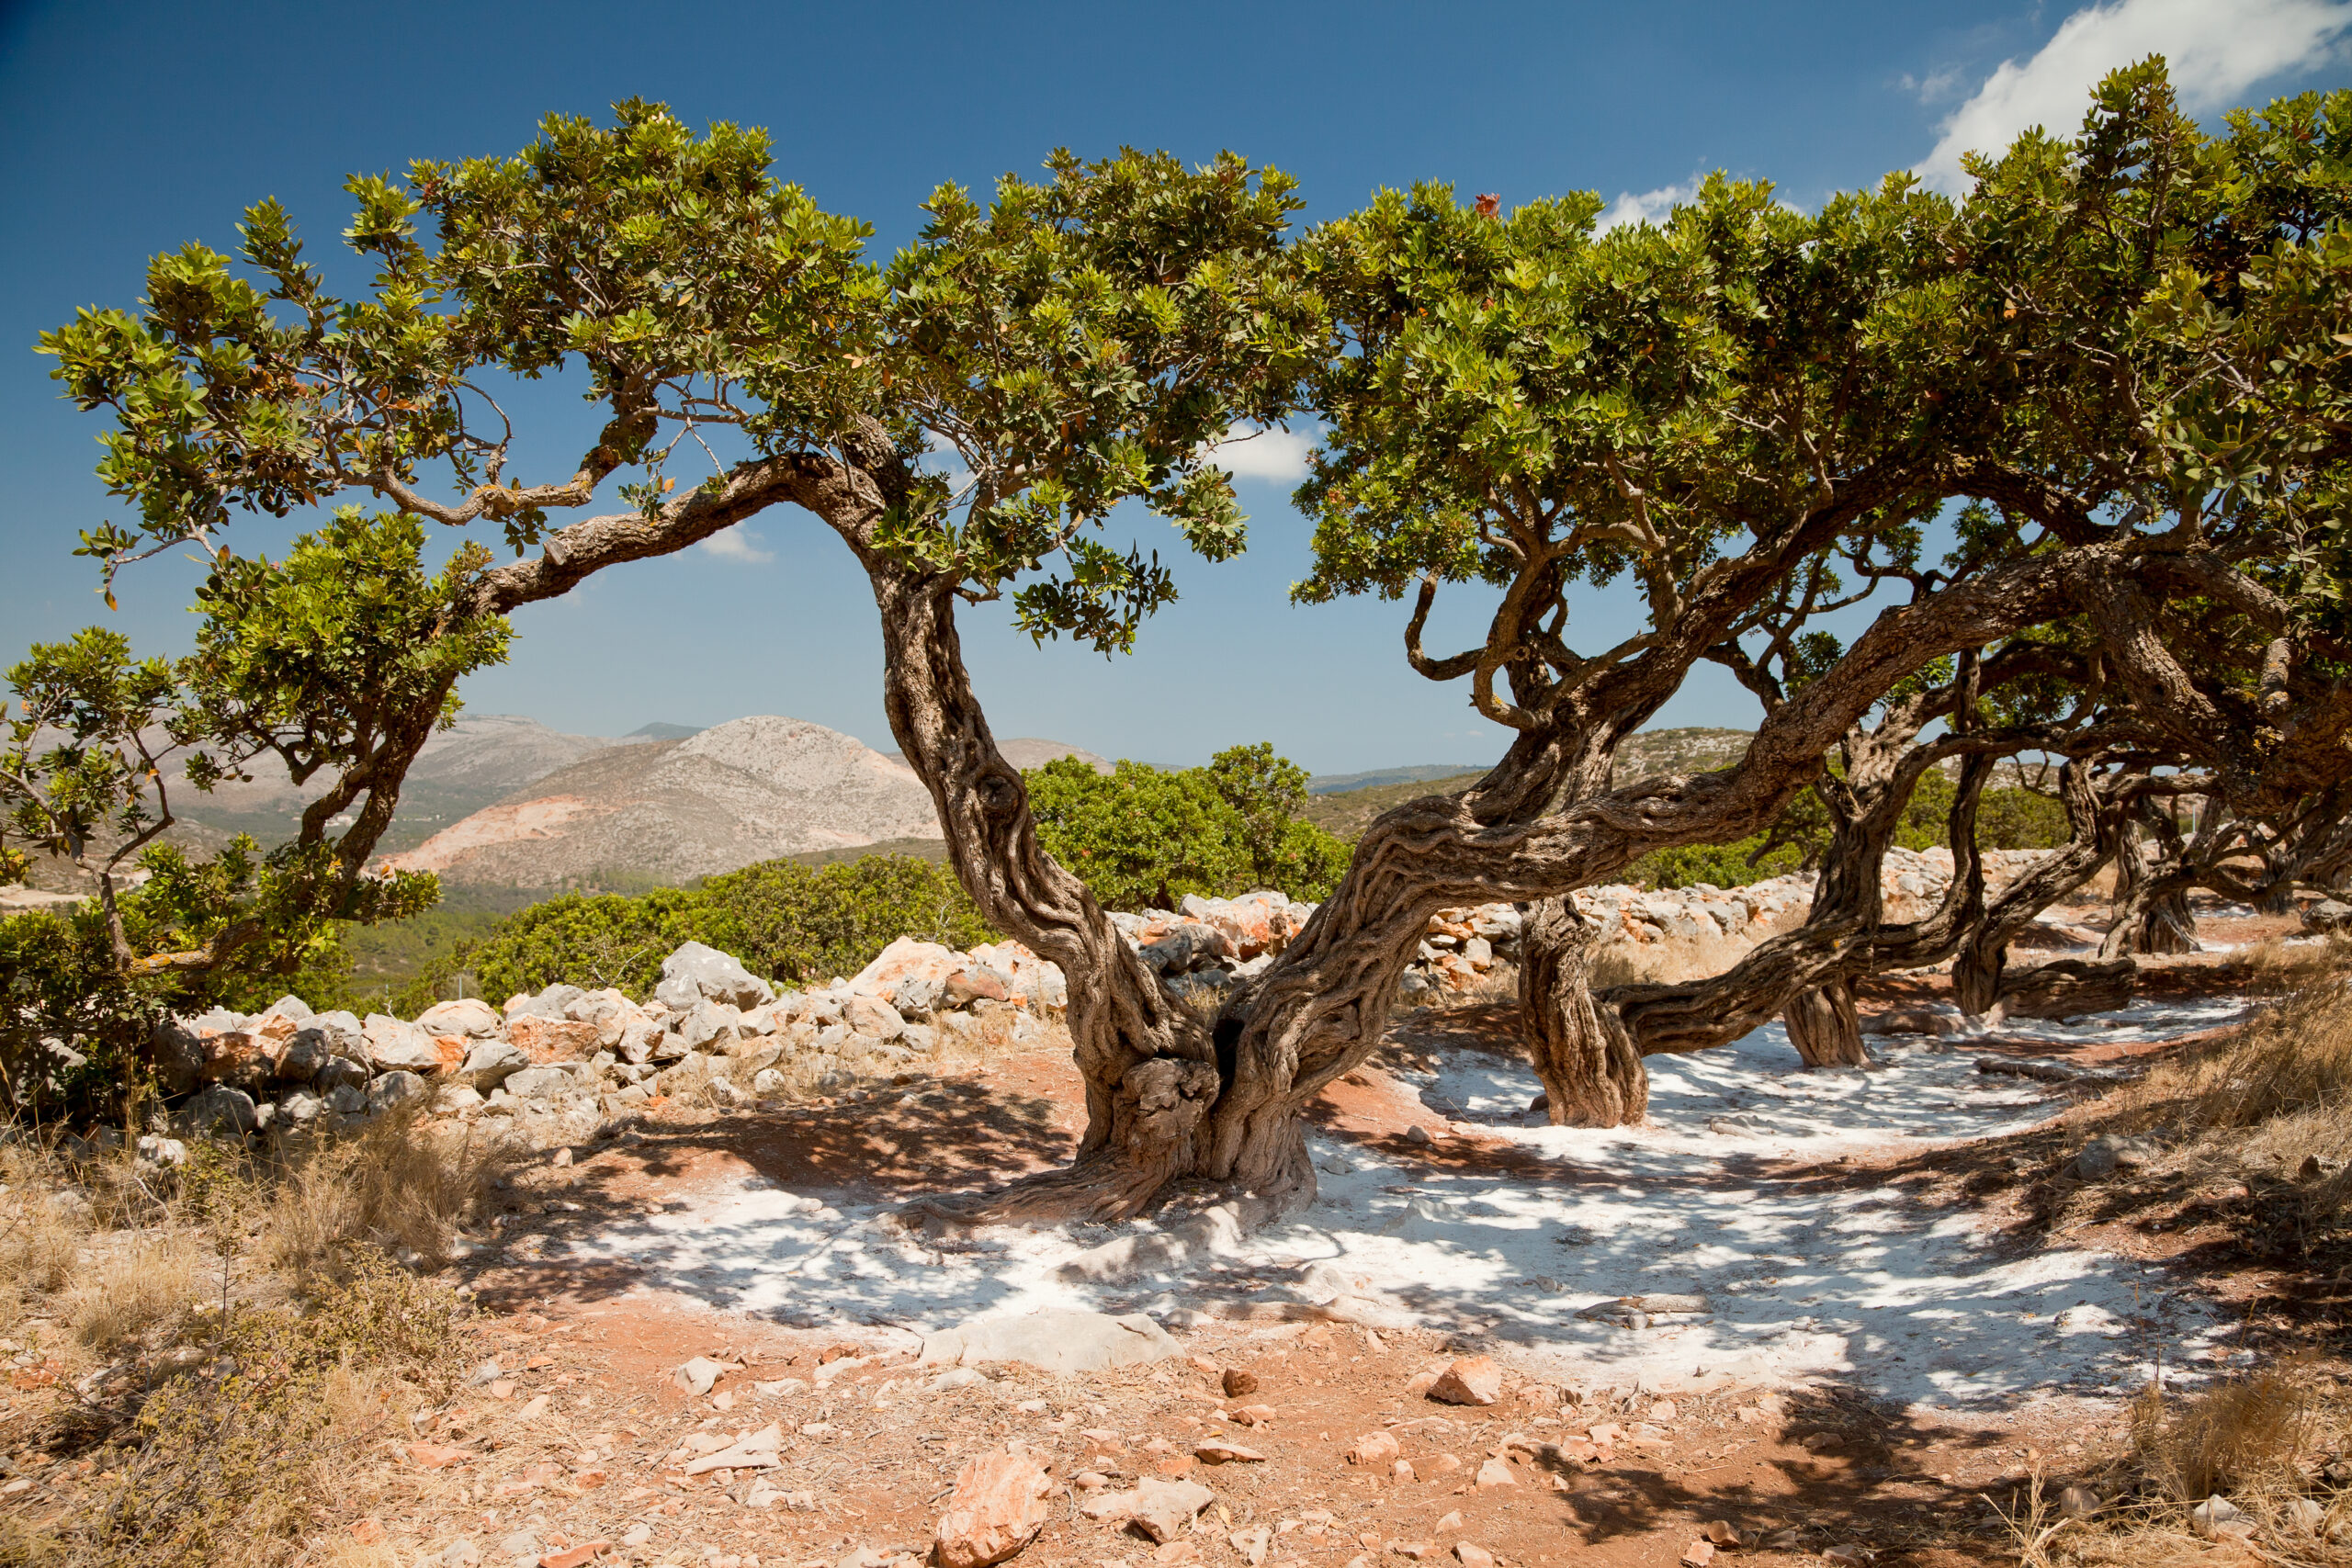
{"x":392,"y":1043}
{"x":1161,"y":1509}
{"x":491,"y":1064}
{"x":545,"y":1040}
{"x":756,"y":1451}
{"x":1374,"y":1450}
{"x":471,"y":1016}
{"x":2327,"y":915}
{"x":697,"y":1376}
{"x":1000,"y":1502}
{"x":2104,"y":1156}
{"x":1065,"y":1341}
{"x":219,"y":1108}
{"x":698,"y":972}
{"x":1471,"y":1379}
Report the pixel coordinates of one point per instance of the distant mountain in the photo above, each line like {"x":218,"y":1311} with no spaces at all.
{"x":1028,"y":752}
{"x":460,"y":770}
{"x":1345,"y":804}
{"x":671,"y":810}
{"x":660,"y":731}
{"x":1340,"y":783}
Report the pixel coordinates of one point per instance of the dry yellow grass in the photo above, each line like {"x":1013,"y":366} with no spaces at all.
{"x":399,"y":1183}
{"x":142,"y":1283}
{"x":2237,"y":1437}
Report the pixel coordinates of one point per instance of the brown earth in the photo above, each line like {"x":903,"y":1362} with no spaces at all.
{"x":580,"y":1438}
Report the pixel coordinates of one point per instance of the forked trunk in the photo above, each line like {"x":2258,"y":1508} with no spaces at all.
{"x":1591,"y":1069}
{"x":1148,"y":1063}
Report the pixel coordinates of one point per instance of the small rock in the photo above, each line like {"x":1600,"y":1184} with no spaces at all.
{"x":758,"y":1451}
{"x":1472,"y":1556}
{"x":2077,"y":1503}
{"x":1471,"y":1379}
{"x":1402,"y":1472}
{"x":1495,"y":1474}
{"x":1664,"y":1410}
{"x":957,"y":1377}
{"x":1252,"y":1543}
{"x":1251,"y":1414}
{"x":580,"y":1556}
{"x":2304,"y":1515}
{"x":998,"y":1508}
{"x":1451,"y":1522}
{"x":1238,"y":1382}
{"x":1161,"y":1509}
{"x":460,"y":1554}
{"x":1698,"y":1554}
{"x":1419,"y":1136}
{"x":2217,"y":1518}
{"x":1722,"y":1532}
{"x":2104,"y":1156}
{"x":1373,"y":1449}
{"x":1217,"y":1451}
{"x":697,"y":1375}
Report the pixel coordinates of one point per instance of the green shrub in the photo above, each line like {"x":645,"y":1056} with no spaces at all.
{"x":2010,"y":818}
{"x":804,"y":926}
{"x":595,"y":941}
{"x":1143,"y":838}
{"x":785,"y":920}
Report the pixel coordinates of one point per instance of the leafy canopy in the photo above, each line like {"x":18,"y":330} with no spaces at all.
{"x":1143,"y":838}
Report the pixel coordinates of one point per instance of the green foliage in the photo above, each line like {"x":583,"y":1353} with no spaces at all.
{"x":798,"y":925}
{"x":595,"y":941}
{"x":1076,"y":342}
{"x":1752,"y":858}
{"x":786,"y":921}
{"x":1143,"y":838}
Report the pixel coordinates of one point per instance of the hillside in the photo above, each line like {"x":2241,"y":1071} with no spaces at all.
{"x":473,"y":763}
{"x":671,"y":810}
{"x":1347,"y":811}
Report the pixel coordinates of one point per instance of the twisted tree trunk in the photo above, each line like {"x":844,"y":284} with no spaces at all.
{"x":1591,"y":1069}
{"x":1979,"y":968}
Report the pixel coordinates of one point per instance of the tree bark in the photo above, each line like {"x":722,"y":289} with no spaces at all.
{"x":1148,"y":1063}
{"x":2094,"y":818}
{"x":1591,"y":1069}
{"x":1824,"y":1028}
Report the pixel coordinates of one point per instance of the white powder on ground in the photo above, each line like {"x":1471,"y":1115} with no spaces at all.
{"x":1862,"y":1284}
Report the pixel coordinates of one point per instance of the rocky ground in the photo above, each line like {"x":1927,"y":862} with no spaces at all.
{"x":1803,"y":1317}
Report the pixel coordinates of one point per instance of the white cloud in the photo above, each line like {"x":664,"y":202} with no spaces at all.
{"x":738,"y":544}
{"x":2215,"y":50}
{"x":1269,"y":454}
{"x":1648,"y":207}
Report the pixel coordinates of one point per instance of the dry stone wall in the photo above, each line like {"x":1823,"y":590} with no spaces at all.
{"x":551,"y":1066}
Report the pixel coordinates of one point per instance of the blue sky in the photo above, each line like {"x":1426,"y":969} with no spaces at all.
{"x":134,"y":129}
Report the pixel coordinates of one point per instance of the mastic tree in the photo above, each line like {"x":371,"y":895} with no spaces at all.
{"x":334,"y":664}
{"x":1700,"y":408}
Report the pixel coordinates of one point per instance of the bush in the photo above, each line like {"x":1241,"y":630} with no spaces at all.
{"x":593,"y":940}
{"x":783,"y":919}
{"x":1143,"y":838}
{"x":801,"y":926}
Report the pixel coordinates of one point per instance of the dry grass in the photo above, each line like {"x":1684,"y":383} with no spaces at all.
{"x":2238,"y":1438}
{"x":399,"y":1184}
{"x":2274,"y":1100}
{"x":144,"y":1282}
